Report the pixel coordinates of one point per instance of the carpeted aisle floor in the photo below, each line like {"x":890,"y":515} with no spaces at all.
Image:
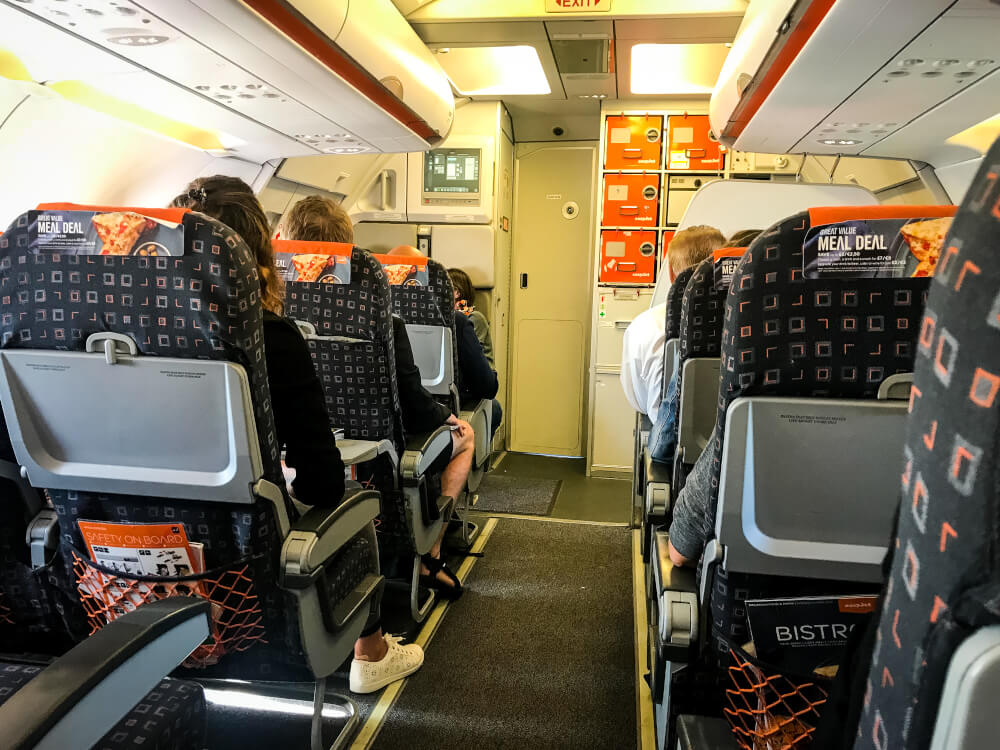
{"x":501,"y":493}
{"x":537,"y":654}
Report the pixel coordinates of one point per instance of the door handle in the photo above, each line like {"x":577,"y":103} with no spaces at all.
{"x":524,"y":281}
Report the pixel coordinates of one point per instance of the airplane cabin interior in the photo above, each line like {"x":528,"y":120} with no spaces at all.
{"x":384,"y":374}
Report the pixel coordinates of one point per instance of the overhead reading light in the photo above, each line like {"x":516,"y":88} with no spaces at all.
{"x":840,"y":142}
{"x":676,"y":68}
{"x":495,"y":71}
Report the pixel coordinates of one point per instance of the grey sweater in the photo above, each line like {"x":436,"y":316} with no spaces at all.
{"x":694,"y":523}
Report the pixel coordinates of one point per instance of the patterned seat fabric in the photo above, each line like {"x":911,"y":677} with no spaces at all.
{"x":675,"y":298}
{"x":356,"y":365}
{"x":356,"y":362}
{"x":945,"y":577}
{"x":204,"y":304}
{"x":784,"y":335}
{"x":169,"y":717}
{"x":672,"y":325}
{"x":31,"y":604}
{"x":433,"y":305}
{"x":699,"y":331}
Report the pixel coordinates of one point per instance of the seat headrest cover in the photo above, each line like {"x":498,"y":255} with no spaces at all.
{"x":725,"y":260}
{"x":405,"y":271}
{"x":302,"y":247}
{"x":874,"y":241}
{"x":88,"y":230}
{"x":834,"y":214}
{"x":173,"y":215}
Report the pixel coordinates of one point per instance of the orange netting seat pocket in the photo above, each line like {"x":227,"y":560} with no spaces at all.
{"x":768,"y":710}
{"x":237,"y":621}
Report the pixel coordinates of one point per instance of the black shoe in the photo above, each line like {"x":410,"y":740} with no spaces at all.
{"x":451,"y":591}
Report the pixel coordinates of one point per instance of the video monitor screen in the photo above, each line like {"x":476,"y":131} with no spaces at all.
{"x":452,"y":170}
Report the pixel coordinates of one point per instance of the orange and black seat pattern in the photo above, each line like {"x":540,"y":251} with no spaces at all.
{"x":945,"y":577}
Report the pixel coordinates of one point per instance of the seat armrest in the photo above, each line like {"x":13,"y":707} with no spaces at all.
{"x":480,"y":417}
{"x":657,"y":489}
{"x":423,"y":450}
{"x":676,"y":590}
{"x":316,"y":538}
{"x":82,"y":695}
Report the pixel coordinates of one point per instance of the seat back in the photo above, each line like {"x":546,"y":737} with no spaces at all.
{"x":110,"y":448}
{"x":352,"y":342}
{"x":672,"y":326}
{"x":934,"y":668}
{"x":699,"y":335}
{"x":804,"y":359}
{"x":422,"y":295}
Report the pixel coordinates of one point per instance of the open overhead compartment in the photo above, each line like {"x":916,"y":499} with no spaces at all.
{"x":282,"y":79}
{"x":909,"y":75}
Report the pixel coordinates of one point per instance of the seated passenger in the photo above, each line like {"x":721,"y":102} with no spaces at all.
{"x":300,"y":416}
{"x":465,"y":298}
{"x":692,"y":524}
{"x":663,"y":436}
{"x":318,"y":219}
{"x":642,"y":348}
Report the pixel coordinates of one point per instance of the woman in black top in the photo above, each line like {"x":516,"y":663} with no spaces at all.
{"x":300,"y":416}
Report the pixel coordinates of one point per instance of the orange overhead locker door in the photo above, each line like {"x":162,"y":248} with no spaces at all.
{"x":633,"y":142}
{"x":628,"y":257}
{"x":690,"y":144}
{"x":630,"y":200}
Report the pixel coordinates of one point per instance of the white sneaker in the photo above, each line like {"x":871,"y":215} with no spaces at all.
{"x":399,"y":662}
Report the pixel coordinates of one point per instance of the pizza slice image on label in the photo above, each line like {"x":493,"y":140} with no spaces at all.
{"x":925,"y":239}
{"x":398,"y":273}
{"x":309,"y":267}
{"x":119,"y":231}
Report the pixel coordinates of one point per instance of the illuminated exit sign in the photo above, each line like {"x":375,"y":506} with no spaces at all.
{"x":576,"y":6}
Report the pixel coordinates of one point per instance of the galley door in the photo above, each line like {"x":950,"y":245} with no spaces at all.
{"x":552,"y":267}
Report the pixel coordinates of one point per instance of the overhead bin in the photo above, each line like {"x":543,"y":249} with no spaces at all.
{"x":898,"y":77}
{"x":328,"y":77}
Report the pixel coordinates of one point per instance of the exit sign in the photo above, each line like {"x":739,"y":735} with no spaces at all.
{"x":576,"y":6}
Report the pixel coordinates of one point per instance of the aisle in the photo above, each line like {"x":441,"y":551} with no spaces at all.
{"x":537,"y":654}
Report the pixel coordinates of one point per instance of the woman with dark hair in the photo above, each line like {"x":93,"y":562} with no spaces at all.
{"x":465,"y":300}
{"x":300,"y":416}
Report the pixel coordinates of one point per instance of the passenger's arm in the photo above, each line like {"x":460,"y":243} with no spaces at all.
{"x":633,"y":387}
{"x":692,"y":523}
{"x":482,"y":327}
{"x":421,"y":413}
{"x":300,"y":416}
{"x":478,"y":378}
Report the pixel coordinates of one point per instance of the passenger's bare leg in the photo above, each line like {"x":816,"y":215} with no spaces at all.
{"x":463,"y":442}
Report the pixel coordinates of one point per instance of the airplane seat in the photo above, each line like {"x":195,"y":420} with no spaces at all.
{"x":428,"y":310}
{"x":805,"y":415}
{"x":135,"y":392}
{"x":348,"y":327}
{"x":111,"y":690}
{"x":429,"y":314}
{"x":653,"y":478}
{"x":699,"y":338}
{"x":935,"y":673}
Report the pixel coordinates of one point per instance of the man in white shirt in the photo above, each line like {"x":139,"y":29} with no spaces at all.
{"x":642,"y":347}
{"x":642,"y":360}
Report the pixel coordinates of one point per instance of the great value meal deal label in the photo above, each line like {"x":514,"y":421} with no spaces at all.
{"x":874,"y":248}
{"x":724,"y":263}
{"x":321,"y":268}
{"x":102,"y":233}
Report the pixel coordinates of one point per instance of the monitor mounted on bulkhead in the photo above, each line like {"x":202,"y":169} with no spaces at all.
{"x":452,"y":177}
